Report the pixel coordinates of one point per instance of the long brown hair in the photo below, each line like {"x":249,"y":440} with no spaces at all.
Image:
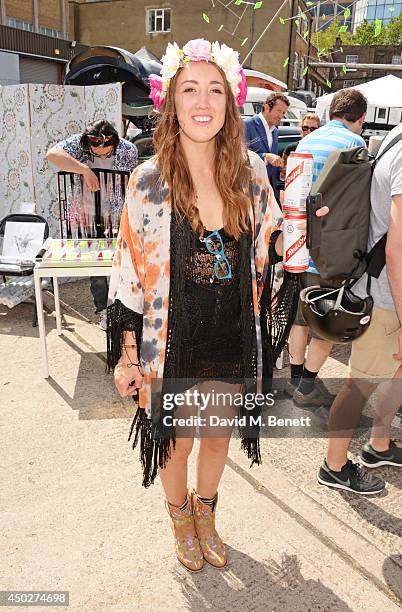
{"x":232,"y":173}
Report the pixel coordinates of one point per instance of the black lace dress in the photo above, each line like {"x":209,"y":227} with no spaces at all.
{"x":212,"y":314}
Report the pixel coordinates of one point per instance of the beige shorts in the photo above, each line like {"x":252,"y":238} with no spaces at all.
{"x":371,"y":355}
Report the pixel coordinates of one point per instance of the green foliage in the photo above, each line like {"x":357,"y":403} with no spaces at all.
{"x":393,"y":31}
{"x":375,"y":33}
{"x":366,"y":35}
{"x":325,"y":39}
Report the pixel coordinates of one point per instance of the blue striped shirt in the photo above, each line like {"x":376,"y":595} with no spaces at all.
{"x":320,"y":143}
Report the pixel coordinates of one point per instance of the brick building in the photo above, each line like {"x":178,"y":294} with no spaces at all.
{"x":358,"y":54}
{"x":132,"y":24}
{"x":35,"y":40}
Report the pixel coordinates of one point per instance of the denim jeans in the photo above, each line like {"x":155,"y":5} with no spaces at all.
{"x":99,"y":290}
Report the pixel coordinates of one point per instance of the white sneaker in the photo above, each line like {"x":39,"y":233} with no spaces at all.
{"x":103,"y":320}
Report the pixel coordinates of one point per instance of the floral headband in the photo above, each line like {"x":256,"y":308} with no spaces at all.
{"x":199,"y":50}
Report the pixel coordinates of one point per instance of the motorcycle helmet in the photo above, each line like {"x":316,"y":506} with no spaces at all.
{"x":337,"y":315}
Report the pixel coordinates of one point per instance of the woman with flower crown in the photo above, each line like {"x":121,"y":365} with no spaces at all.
{"x":191,"y":288}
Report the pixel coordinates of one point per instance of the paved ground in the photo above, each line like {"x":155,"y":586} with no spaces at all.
{"x":74,"y":516}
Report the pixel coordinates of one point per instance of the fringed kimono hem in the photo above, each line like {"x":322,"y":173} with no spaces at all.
{"x":120,"y":319}
{"x":155,"y":448}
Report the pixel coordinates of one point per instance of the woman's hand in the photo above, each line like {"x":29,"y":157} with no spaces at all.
{"x":127,"y":376}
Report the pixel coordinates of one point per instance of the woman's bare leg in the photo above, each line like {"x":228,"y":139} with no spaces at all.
{"x":174,"y":475}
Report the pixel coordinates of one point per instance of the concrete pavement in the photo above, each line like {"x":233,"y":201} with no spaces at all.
{"x":74,"y":516}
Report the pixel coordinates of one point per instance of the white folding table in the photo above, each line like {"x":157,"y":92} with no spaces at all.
{"x":44,"y":270}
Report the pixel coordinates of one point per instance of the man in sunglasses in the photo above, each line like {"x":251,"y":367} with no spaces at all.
{"x":99,"y":146}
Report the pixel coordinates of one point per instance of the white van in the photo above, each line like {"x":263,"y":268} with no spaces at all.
{"x":256,"y":97}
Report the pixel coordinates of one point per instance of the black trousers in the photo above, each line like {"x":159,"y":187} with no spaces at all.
{"x":99,"y":290}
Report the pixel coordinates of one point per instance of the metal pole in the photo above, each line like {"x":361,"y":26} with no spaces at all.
{"x":35,"y":15}
{"x":3,"y":13}
{"x":63,"y":18}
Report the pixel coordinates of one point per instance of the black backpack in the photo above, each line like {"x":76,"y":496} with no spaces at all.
{"x":345,"y":184}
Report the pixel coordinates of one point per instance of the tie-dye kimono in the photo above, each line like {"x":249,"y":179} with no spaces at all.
{"x":142,"y":286}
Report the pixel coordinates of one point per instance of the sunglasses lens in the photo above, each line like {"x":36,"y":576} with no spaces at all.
{"x":213,"y":244}
{"x":100,"y":140}
{"x":222,"y":268}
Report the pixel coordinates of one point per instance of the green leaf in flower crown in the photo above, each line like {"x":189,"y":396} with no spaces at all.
{"x":377,"y":27}
{"x":257,"y":5}
{"x":306,"y":34}
{"x":309,"y":3}
{"x":344,"y":69}
{"x":238,"y":2}
{"x":346,"y":14}
{"x":281,"y":20}
{"x":205,"y":17}
{"x":343,"y":29}
{"x":303,"y":16}
{"x":244,"y":41}
{"x":286,"y":62}
{"x":329,"y":84}
{"x":305,"y":71}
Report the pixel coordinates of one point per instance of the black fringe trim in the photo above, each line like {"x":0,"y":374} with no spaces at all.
{"x":119,"y":320}
{"x":277,"y":316}
{"x":155,"y":445}
{"x":251,"y":447}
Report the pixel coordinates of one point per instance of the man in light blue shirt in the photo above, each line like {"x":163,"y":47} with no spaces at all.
{"x":347,"y":113}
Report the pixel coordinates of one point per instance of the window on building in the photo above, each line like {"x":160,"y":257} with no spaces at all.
{"x":352,"y":59}
{"x":52,"y":32}
{"x":349,"y":83}
{"x":298,"y":20}
{"x":21,"y":25}
{"x":296,"y":67}
{"x":158,"y":20}
{"x":301,"y":77}
{"x":396,"y":59}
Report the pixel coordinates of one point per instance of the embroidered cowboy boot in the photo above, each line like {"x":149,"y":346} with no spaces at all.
{"x":187,"y":547}
{"x":212,"y":547}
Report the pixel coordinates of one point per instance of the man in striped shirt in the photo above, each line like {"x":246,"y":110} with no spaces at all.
{"x":347,"y":113}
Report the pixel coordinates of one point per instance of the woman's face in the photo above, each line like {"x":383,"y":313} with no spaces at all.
{"x":200,"y":101}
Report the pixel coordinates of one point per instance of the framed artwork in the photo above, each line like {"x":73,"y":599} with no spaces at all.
{"x":23,"y":240}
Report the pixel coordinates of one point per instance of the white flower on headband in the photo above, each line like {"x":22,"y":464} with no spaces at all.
{"x":228,"y":60}
{"x":196,"y":51}
{"x":171,"y":61}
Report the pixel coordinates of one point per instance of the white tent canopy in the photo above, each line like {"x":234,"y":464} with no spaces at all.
{"x":385,"y":92}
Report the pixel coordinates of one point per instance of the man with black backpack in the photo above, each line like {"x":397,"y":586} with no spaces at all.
{"x":377,"y":354}
{"x":347,"y":113}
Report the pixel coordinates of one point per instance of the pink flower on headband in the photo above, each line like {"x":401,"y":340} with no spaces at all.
{"x":198,"y":50}
{"x":156,"y":86}
{"x":242,"y":85}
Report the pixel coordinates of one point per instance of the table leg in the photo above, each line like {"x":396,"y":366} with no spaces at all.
{"x":57,"y":305}
{"x":41,"y":322}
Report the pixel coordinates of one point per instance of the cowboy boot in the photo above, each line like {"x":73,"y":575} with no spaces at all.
{"x":212,"y":547}
{"x":187,"y":547}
